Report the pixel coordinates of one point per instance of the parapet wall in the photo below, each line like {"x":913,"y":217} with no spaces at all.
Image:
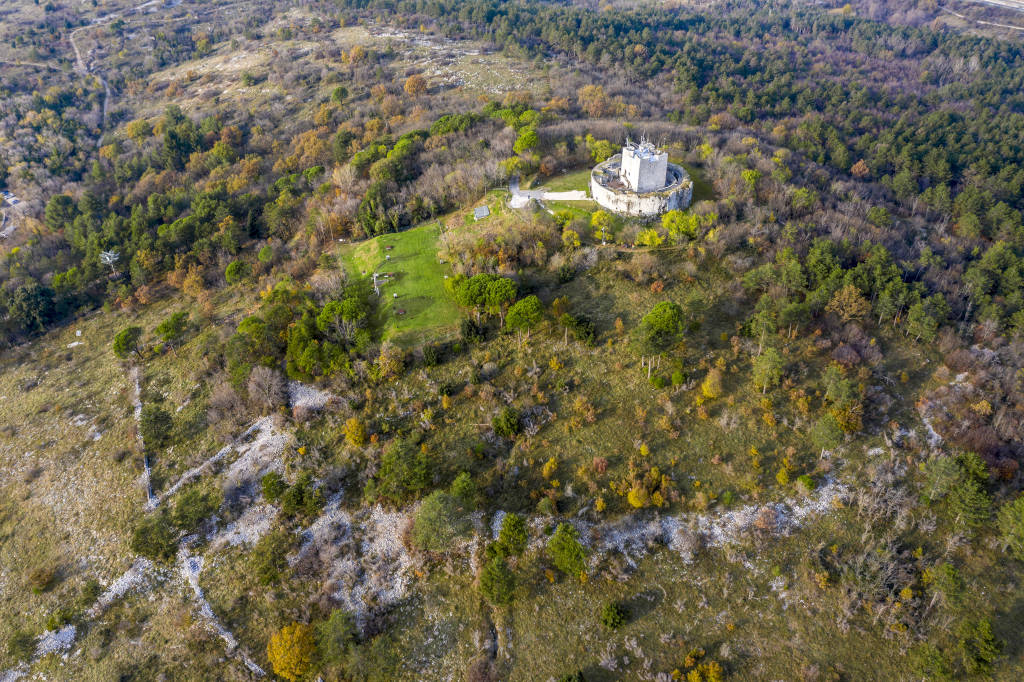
{"x":676,"y":195}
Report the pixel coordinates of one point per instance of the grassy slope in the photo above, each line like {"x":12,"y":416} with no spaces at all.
{"x":573,"y":180}
{"x":418,"y":280}
{"x":68,"y":499}
{"x":724,"y":598}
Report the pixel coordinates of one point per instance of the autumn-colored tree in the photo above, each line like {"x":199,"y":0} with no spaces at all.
{"x":193,"y":283}
{"x":357,"y":54}
{"x":649,"y":238}
{"x":570,"y":240}
{"x":600,"y":150}
{"x":355,"y":432}
{"x":560,"y":306}
{"x":848,"y":304}
{"x":601,"y":223}
{"x":415,"y":85}
{"x":139,"y":130}
{"x":391,"y":360}
{"x":711,"y":387}
{"x":290,"y":651}
{"x":560,"y":104}
{"x":594,"y":101}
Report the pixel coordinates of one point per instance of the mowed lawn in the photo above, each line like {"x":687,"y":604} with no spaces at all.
{"x":422,"y":309}
{"x":567,"y":182}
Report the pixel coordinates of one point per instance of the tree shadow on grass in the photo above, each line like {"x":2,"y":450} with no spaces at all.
{"x":641,"y":604}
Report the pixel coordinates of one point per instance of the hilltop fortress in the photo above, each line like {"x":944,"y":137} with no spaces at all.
{"x":640,"y":182}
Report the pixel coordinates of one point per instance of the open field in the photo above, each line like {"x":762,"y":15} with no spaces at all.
{"x":422,"y":309}
{"x":569,"y":181}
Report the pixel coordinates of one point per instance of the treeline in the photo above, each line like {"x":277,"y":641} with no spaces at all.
{"x":958,"y":126}
{"x":176,"y":200}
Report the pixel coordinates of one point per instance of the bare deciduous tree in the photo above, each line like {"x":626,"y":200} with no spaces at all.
{"x":266,"y":388}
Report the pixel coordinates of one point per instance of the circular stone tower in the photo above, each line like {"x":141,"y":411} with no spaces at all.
{"x":640,"y":182}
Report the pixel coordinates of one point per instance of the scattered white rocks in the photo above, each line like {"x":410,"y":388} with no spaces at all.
{"x":258,"y":456}
{"x":308,"y":397}
{"x":368,"y":565}
{"x":635,"y":535}
{"x":499,"y":517}
{"x":135,"y":577}
{"x":248,"y":528}
{"x":382,"y":544}
{"x":56,"y":641}
{"x":146,"y":476}
{"x":933,"y":437}
{"x":191,"y":566}
{"x":732,"y":526}
{"x":333,"y":526}
{"x":13,"y":675}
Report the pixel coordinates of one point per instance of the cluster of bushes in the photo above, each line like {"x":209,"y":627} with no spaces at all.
{"x":157,"y":533}
{"x":299,"y":498}
{"x":497,"y":580}
{"x":443,"y":516}
{"x":298,"y":650}
{"x":313,"y":341}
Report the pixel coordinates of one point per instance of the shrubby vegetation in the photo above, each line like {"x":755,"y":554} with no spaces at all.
{"x":824,"y":347}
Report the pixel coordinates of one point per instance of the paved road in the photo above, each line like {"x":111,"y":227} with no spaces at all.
{"x":521,"y":198}
{"x":1009,"y":4}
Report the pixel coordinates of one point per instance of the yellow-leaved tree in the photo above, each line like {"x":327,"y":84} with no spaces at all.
{"x":290,"y":651}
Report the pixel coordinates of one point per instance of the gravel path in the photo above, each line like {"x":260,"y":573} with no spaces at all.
{"x":151,"y":501}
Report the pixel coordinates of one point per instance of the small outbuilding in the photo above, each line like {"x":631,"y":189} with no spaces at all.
{"x":481,"y":212}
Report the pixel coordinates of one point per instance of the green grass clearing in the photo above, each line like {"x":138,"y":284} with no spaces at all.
{"x":421,"y":308}
{"x":569,"y":181}
{"x":702,"y":189}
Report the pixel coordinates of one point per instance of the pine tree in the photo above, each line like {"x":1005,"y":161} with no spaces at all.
{"x":497,"y":583}
{"x":566,"y":551}
{"x":970,"y":504}
{"x":1011,"y":526}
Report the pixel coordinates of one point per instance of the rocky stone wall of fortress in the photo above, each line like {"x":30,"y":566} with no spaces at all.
{"x":642,"y":205}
